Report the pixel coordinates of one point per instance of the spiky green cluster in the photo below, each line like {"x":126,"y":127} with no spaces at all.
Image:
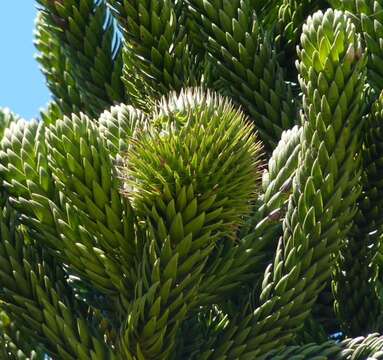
{"x":192,"y":184}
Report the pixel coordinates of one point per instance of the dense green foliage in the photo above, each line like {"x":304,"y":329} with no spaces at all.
{"x":207,"y":183}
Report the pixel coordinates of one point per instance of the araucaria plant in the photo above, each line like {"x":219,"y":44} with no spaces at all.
{"x":206,"y":184}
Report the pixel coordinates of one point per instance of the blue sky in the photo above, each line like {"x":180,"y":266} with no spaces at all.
{"x":22,"y":86}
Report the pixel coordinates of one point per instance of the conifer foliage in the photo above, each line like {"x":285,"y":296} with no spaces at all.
{"x":206,"y":183}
